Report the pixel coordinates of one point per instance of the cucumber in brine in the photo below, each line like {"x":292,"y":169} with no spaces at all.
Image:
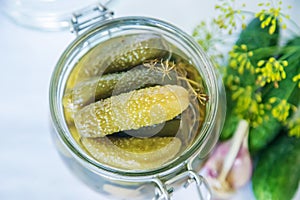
{"x":132,"y":110}
{"x":133,"y":153}
{"x":119,"y":54}
{"x":135,"y":102}
{"x":102,"y":87}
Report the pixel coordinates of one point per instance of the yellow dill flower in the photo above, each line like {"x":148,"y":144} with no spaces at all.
{"x":240,"y":59}
{"x":294,"y":123}
{"x":249,"y":105}
{"x":294,"y":128}
{"x":232,"y":82}
{"x":281,"y":111}
{"x":271,"y":70}
{"x":297,"y":78}
{"x":270,"y":14}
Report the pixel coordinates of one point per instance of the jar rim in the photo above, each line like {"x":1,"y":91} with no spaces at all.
{"x":60,"y":124}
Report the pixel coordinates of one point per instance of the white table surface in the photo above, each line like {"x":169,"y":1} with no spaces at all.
{"x":30,"y":168}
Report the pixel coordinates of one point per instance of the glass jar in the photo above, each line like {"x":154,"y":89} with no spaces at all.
{"x":158,"y":183}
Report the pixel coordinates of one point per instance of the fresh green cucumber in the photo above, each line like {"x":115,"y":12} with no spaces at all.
{"x":277,"y":173}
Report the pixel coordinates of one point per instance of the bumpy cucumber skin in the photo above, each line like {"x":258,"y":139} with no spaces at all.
{"x":133,"y":153}
{"x":132,"y":110}
{"x":87,"y":92}
{"x":277,"y":173}
{"x":98,"y":88}
{"x":119,"y":54}
{"x":144,"y":47}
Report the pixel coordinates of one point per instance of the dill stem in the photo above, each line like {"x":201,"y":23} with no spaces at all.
{"x":190,"y":81}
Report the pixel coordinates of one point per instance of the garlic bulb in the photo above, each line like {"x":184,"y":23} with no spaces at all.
{"x":230,"y":166}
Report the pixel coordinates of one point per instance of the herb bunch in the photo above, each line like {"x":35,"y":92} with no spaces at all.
{"x":261,"y":76}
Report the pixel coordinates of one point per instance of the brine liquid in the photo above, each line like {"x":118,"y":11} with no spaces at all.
{"x":134,"y":70}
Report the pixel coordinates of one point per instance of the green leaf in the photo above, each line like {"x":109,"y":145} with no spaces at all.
{"x":256,"y":37}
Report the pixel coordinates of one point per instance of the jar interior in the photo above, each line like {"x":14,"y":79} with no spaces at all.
{"x":134,"y":97}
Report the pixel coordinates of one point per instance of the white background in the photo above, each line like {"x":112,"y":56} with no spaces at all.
{"x":30,"y":168}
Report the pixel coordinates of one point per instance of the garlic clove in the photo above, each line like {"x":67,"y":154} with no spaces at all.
{"x":230,"y":166}
{"x":241,"y":171}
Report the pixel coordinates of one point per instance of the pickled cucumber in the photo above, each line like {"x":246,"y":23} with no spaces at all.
{"x":167,"y":129}
{"x":132,"y":110}
{"x":133,"y":153}
{"x":119,"y":54}
{"x":102,"y":87}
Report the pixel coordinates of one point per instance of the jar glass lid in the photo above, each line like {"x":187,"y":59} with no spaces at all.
{"x":48,"y":15}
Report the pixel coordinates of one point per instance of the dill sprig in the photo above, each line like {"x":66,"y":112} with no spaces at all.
{"x":270,"y":14}
{"x":209,"y":36}
{"x":229,"y":15}
{"x":165,"y":67}
{"x":271,"y":70}
{"x":240,"y":59}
